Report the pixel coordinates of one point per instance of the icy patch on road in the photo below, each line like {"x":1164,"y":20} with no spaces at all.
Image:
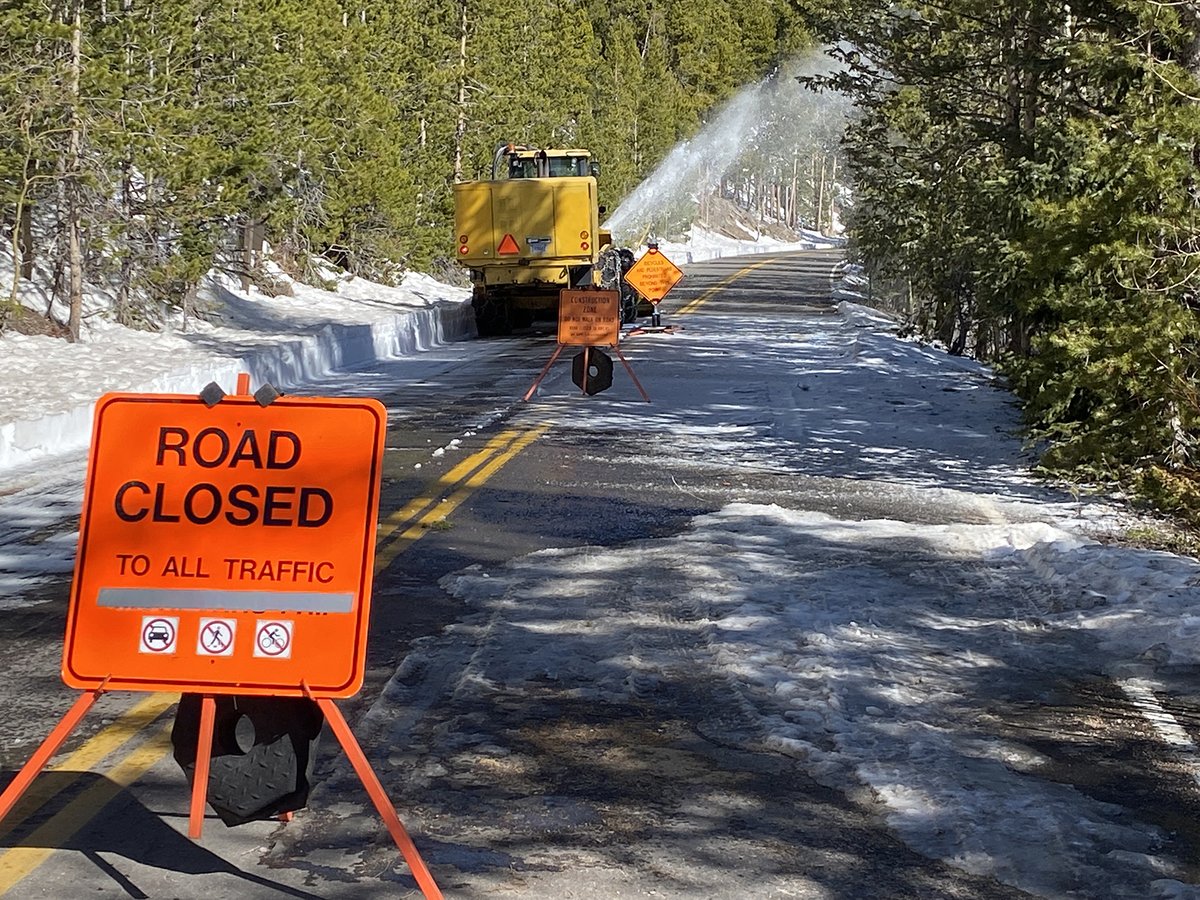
{"x":871,"y":652}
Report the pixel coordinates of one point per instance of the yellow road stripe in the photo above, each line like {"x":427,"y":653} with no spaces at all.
{"x":19,"y":861}
{"x":131,"y":723}
{"x":447,"y":505}
{"x":699,"y":301}
{"x":410,"y":510}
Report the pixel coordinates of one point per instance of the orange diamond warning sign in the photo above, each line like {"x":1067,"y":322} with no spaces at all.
{"x":226,"y":549}
{"x":653,"y":275}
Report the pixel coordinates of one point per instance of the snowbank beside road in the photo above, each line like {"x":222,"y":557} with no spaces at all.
{"x":48,"y":387}
{"x":704,"y":245}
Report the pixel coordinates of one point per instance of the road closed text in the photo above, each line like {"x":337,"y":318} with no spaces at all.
{"x":244,"y":504}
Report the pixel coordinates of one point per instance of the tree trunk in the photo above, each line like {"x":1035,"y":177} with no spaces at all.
{"x":25,"y":230}
{"x":460,"y":125}
{"x":791,"y":217}
{"x":253,"y":237}
{"x":188,"y":303}
{"x":22,"y":236}
{"x":820,"y":198}
{"x":832,"y":178}
{"x":74,"y":212}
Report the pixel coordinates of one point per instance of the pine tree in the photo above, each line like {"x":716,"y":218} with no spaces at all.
{"x":1032,"y":171}
{"x":35,"y":105}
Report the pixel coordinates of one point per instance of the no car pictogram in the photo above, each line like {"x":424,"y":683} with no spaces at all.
{"x":158,"y":634}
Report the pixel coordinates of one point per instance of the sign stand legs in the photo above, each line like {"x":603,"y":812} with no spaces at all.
{"x":533,"y":387}
{"x":629,"y":369}
{"x":46,"y":751}
{"x":208,"y":715}
{"x":558,"y":351}
{"x":387,"y":812}
{"x":208,"y":708}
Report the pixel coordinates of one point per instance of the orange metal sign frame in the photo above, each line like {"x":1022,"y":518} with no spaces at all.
{"x":226,"y":549}
{"x":589,"y":318}
{"x":653,"y":275}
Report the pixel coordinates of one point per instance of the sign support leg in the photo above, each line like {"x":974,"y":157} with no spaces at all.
{"x":208,"y":715}
{"x":46,"y":751}
{"x":386,"y":811}
{"x":533,"y":387}
{"x":587,"y":364}
{"x":629,"y":369}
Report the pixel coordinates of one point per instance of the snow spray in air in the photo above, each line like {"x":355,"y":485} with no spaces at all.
{"x":775,"y":128}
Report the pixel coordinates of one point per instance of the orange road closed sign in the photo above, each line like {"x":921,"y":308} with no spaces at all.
{"x":226,"y":549}
{"x":589,"y":318}
{"x":653,"y":275}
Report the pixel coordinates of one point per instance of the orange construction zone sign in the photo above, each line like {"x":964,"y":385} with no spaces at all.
{"x":589,"y":318}
{"x":226,"y":549}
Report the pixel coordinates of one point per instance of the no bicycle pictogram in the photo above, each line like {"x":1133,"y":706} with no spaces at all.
{"x":273,"y":638}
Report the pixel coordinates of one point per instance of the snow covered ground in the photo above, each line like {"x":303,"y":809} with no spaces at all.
{"x":48,"y":387}
{"x":876,"y":651}
{"x":895,"y":654}
{"x":704,"y":245}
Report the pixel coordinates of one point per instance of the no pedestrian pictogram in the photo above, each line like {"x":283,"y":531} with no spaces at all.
{"x":216,"y":637}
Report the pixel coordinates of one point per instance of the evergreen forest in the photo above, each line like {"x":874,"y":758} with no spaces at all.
{"x":1020,"y":177}
{"x":142,"y":143}
{"x":1027,"y":175}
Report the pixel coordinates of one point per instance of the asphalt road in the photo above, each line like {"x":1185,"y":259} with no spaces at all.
{"x":644,"y":797}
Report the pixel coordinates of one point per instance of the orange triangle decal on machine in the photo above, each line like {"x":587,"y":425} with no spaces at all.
{"x":508,"y":246}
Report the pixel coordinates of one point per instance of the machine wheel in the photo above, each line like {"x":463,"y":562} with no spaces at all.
{"x":492,"y":316}
{"x":614,"y":263}
{"x":629,"y":304}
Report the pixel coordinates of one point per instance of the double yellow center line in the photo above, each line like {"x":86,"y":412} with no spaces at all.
{"x":395,"y":534}
{"x":37,"y":846}
{"x":693,"y":305}
{"x":407,"y":524}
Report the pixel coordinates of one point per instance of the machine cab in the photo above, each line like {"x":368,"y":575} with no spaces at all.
{"x":527,"y":162}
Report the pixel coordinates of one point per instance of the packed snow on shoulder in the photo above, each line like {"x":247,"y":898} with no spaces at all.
{"x":48,"y":386}
{"x":877,"y":653}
